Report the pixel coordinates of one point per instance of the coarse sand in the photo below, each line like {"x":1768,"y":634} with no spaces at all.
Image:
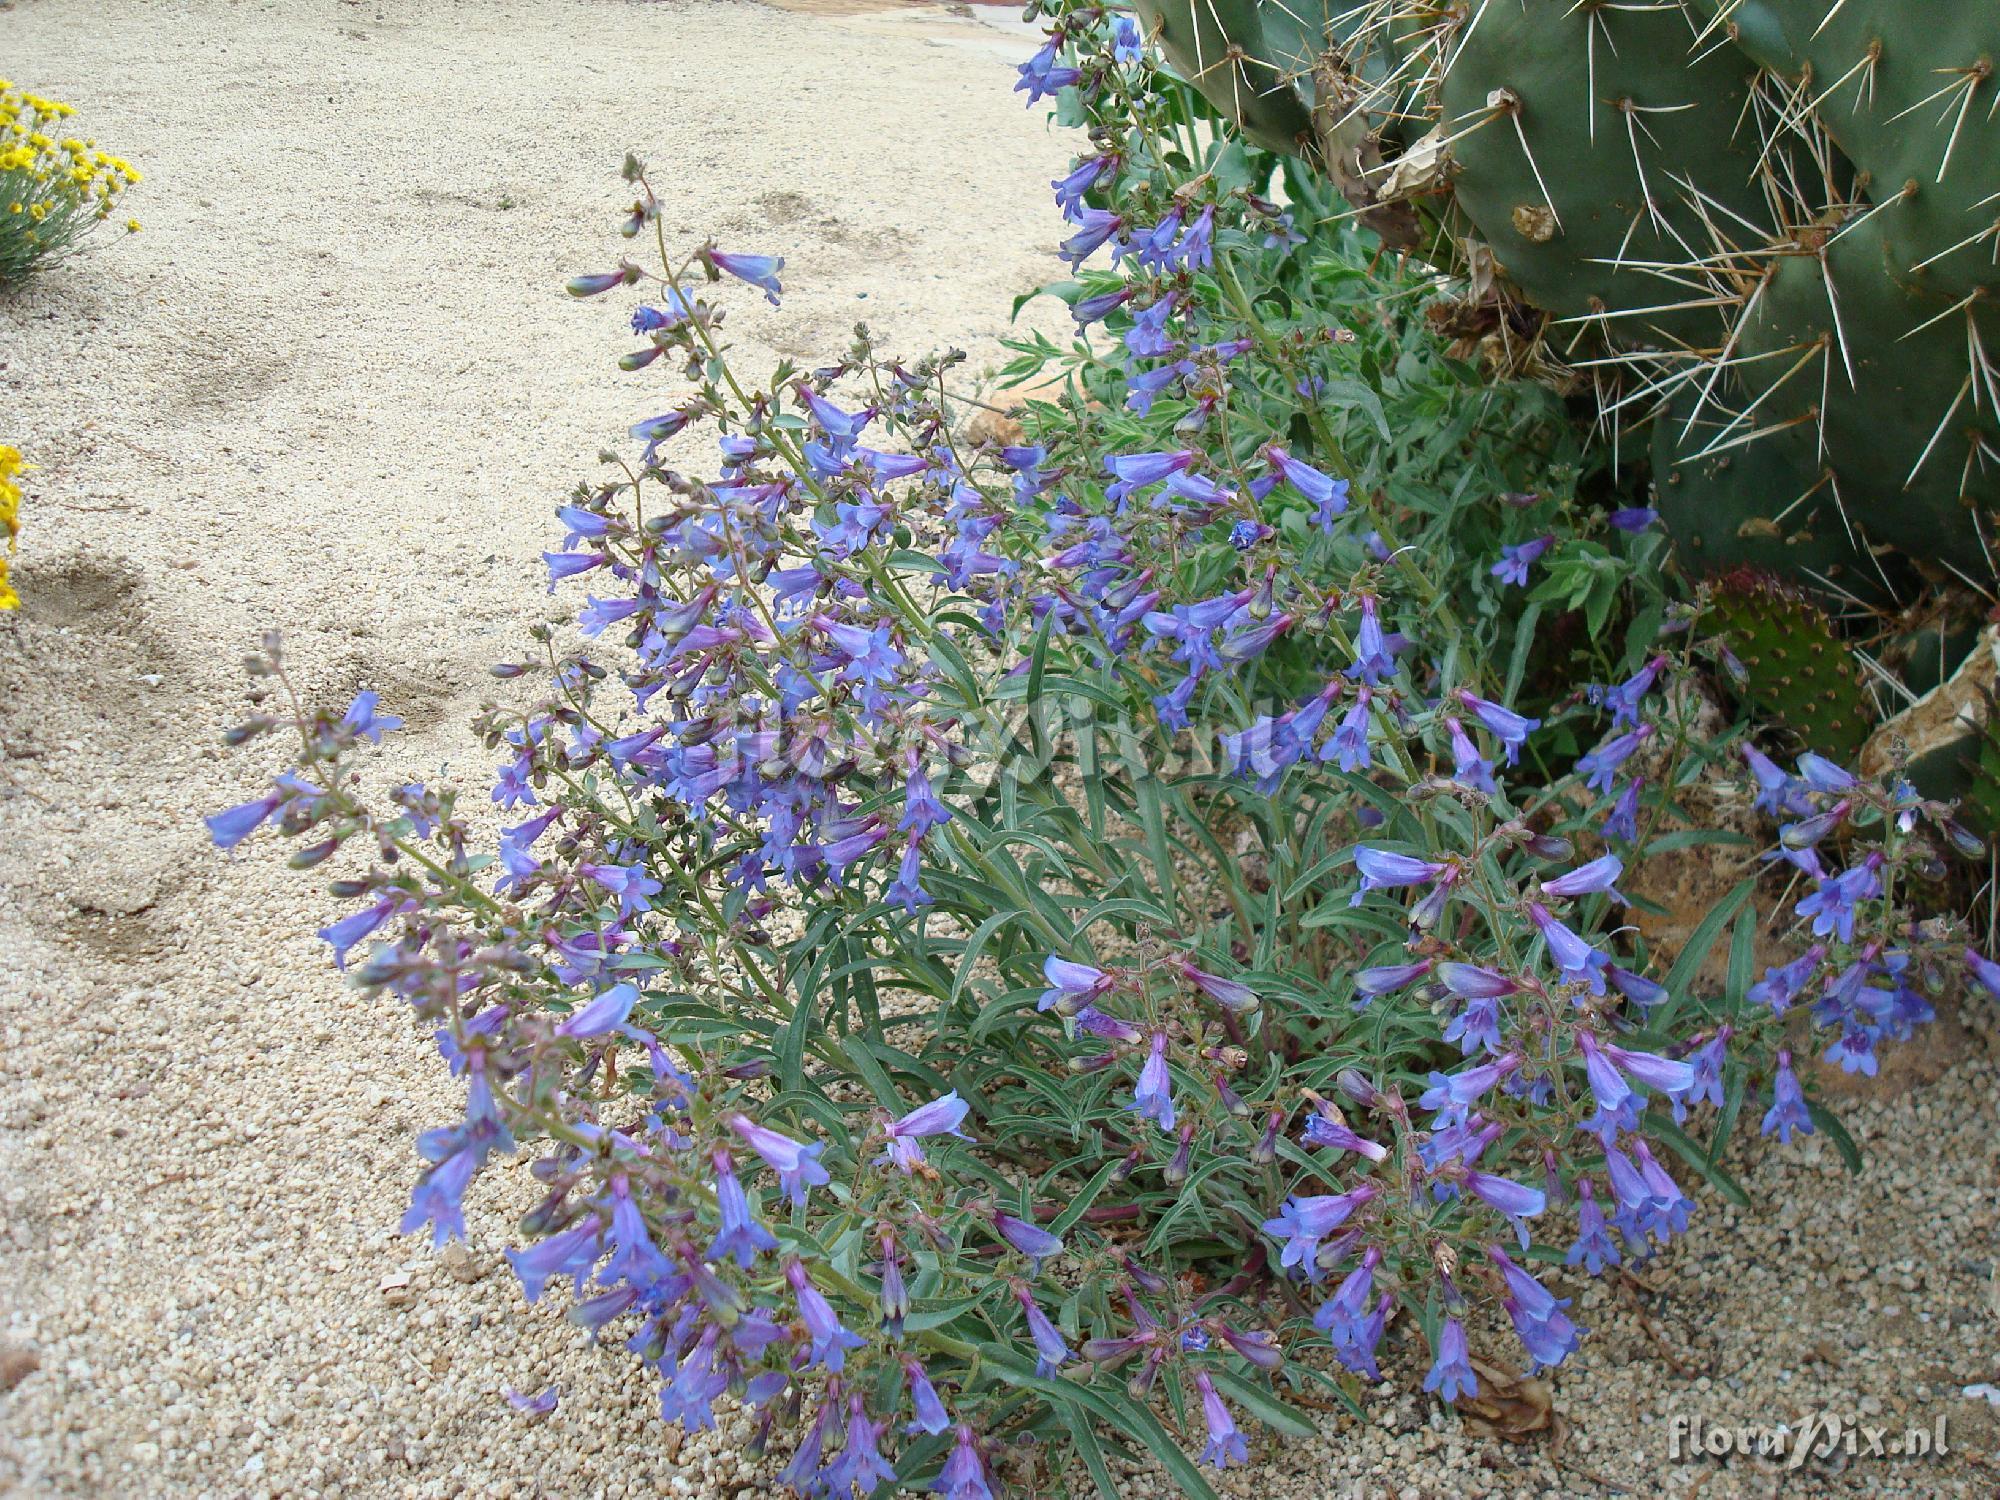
{"x":335,"y":387}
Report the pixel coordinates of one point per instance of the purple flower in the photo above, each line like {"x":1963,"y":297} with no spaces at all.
{"x":1094,"y":227}
{"x":1575,"y":960}
{"x":363,"y":722}
{"x":1515,"y":560}
{"x":1984,"y":970}
{"x":1035,"y":1243}
{"x":1476,"y":1025}
{"x":1050,"y":1350}
{"x":740,"y":1235}
{"x":860,"y":1465}
{"x":1451,"y":1095}
{"x":1328,"y":495}
{"x":1303,"y":1222}
{"x":1832,"y":905}
{"x":1623,"y":822}
{"x":1071,"y":985}
{"x":1343,"y":1314}
{"x":1230,"y":994}
{"x":1373,"y":660}
{"x":1348,"y":748}
{"x":1634,"y":518}
{"x":1782,"y":984}
{"x":1599,"y":876}
{"x":1777,"y":793}
{"x":1469,"y":982}
{"x":571,"y":1253}
{"x":1387,"y":978}
{"x":230,"y":828}
{"x":1325,"y":1130}
{"x":830,"y":1341}
{"x":1510,"y":728}
{"x":1600,"y":766}
{"x":1451,"y":1373}
{"x":1124,"y":40}
{"x":797,"y":1165}
{"x":1508,"y":1198}
{"x":534,"y":1406}
{"x":1788,"y":1103}
{"x":1382,"y":869}
{"x":931,"y":1416}
{"x":341,"y":936}
{"x":939,"y":1117}
{"x":964,"y":1474}
{"x":1081,"y":178}
{"x":1226,"y":1445}
{"x":1153,"y":1096}
{"x":1705,"y":1065}
{"x":1547,"y":1335}
{"x":604,"y":1014}
{"x":1623,"y":700}
{"x":1469,"y":767}
{"x":1040,"y":77}
{"x":1594,"y":1247}
{"x":759,"y":270}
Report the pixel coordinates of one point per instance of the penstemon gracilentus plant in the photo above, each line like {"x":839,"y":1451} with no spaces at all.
{"x":1016,"y":957}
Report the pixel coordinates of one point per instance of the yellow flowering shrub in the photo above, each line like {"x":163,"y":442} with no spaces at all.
{"x":10,"y":519}
{"x":54,"y":187}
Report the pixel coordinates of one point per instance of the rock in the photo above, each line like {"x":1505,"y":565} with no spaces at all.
{"x":461,"y":1263}
{"x":17,"y":1363}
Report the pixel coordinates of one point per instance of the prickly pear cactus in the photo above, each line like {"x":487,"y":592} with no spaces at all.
{"x":1780,"y":219}
{"x":1795,"y":669}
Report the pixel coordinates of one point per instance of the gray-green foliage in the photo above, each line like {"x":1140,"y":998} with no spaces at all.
{"x":1772,"y":225}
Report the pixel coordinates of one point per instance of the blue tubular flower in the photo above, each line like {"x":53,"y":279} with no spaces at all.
{"x":964,"y":1474}
{"x":1328,"y":495}
{"x":797,"y":1165}
{"x":1233,"y":996}
{"x":1469,"y":767}
{"x":1547,"y":1335}
{"x":603,"y":1015}
{"x":1623,"y":700}
{"x":1475,"y":1026}
{"x":1040,"y":77}
{"x":830,"y":1341}
{"x":1634,"y":518}
{"x":1594,"y":1248}
{"x":436,"y":1197}
{"x":1382,"y":869}
{"x":1153,"y":1096}
{"x":1035,"y":1243}
{"x":1050,"y":1350}
{"x":1304,"y":1222}
{"x":1600,"y":766}
{"x":1451,"y":1095}
{"x":1343,"y":1315}
{"x":1348,"y":748}
{"x":362,"y":721}
{"x":534,"y":1406}
{"x":1783,"y":984}
{"x":1124,"y":40}
{"x":1069,"y":190}
{"x":1705,"y":1064}
{"x":1373,"y":660}
{"x":1623,"y":822}
{"x":1226,"y":1445}
{"x":230,"y":828}
{"x":760,"y":271}
{"x":1325,"y":1130}
{"x":921,"y":809}
{"x":1196,"y":250}
{"x":1787,"y":1113}
{"x":1470,"y":982}
{"x":1655,"y":1072}
{"x":1509,"y":1199}
{"x":931,"y":1417}
{"x":1515,"y":560}
{"x":341,"y":936}
{"x":1451,"y":1373}
{"x":804,"y":1475}
{"x":1600,"y":876}
{"x":860,"y":1465}
{"x":741,"y":1235}
{"x":939,"y":1117}
{"x":1071,"y":985}
{"x":1386,"y":979}
{"x":1670,"y":1206}
{"x":1575,"y":960}
{"x":1094,"y":227}
{"x":1984,"y":971}
{"x":1508,"y":727}
{"x":571,"y":1253}
{"x":1617,"y":1105}
{"x":1777,"y":793}
{"x":1832,"y":905}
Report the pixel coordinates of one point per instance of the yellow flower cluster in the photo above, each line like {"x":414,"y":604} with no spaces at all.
{"x":10,"y":519}
{"x":53,"y":186}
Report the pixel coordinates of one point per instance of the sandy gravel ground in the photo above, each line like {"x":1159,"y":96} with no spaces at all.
{"x":335,"y":387}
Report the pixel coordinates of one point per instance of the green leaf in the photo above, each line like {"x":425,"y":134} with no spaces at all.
{"x":1264,"y":1406}
{"x":1826,"y":1121}
{"x":1699,"y":943}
